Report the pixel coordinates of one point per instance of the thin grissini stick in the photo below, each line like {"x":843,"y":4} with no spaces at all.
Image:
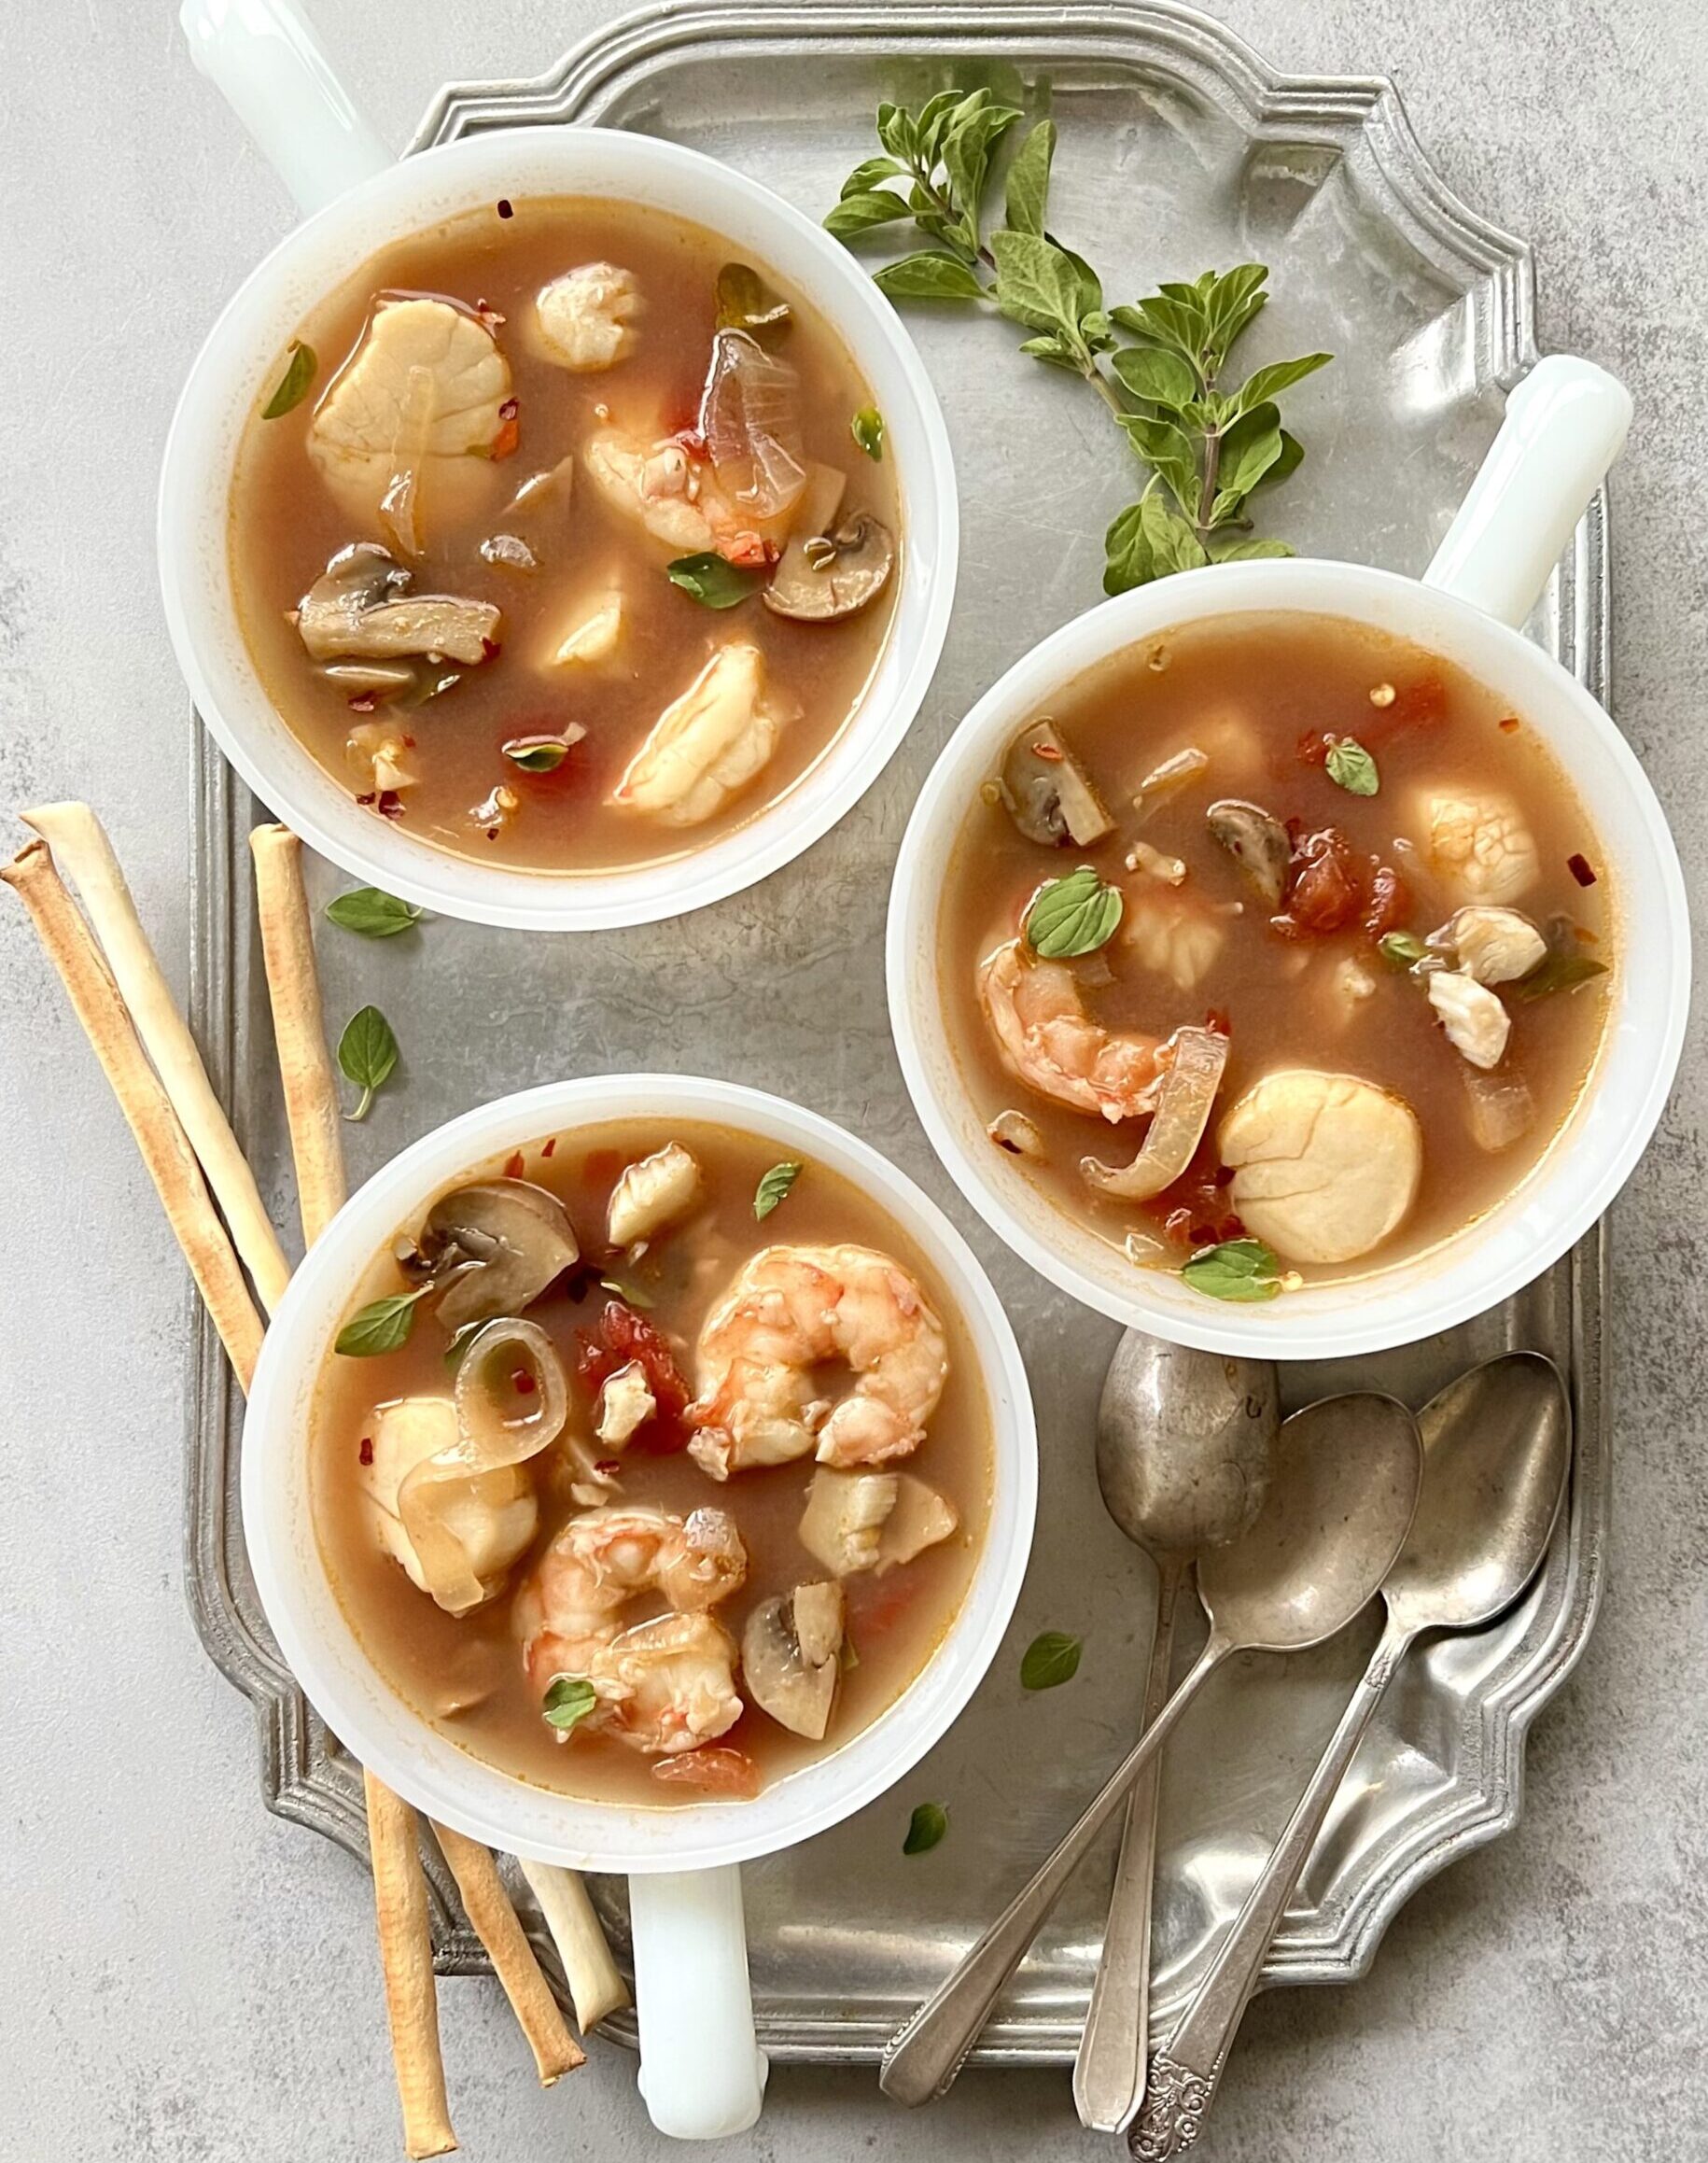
{"x":305,"y":1065}
{"x":165,"y":1149}
{"x":406,"y":1954}
{"x":494,"y":1923}
{"x":84,"y":855}
{"x":595,"y":1985}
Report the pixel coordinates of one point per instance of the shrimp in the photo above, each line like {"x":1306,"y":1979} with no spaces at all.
{"x":665,"y":1684}
{"x":1052,"y":1044}
{"x":707,"y":745}
{"x":674,"y":497}
{"x":788,"y":1310}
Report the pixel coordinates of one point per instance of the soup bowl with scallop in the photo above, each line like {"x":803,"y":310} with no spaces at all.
{"x":639,"y":1475}
{"x":1290,"y":957}
{"x":557,"y":530}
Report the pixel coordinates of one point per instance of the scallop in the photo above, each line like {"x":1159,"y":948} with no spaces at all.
{"x":1326,"y":1165}
{"x":1478,"y":845}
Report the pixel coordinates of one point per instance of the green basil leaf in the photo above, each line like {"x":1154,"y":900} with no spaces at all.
{"x":774,"y":1187}
{"x":1028,"y":181}
{"x":567,"y":1701}
{"x":1265,"y":383}
{"x":537,"y":755}
{"x":1560,"y":972}
{"x":857,"y":214}
{"x":1050,"y":1660}
{"x":1248,"y":449}
{"x":713,"y":581}
{"x":925,"y":1828}
{"x":746,"y":302}
{"x":372,"y":913}
{"x":1401,"y":949}
{"x":1073,"y":915}
{"x":1037,"y":283}
{"x":1241,"y":1270}
{"x":366,"y":1052}
{"x":1170,"y":451}
{"x":292,"y":386}
{"x":1156,"y":375}
{"x":927,"y":276}
{"x":867,"y":429}
{"x":1351,"y":768}
{"x":870,"y":175}
{"x":1230,"y":548}
{"x":381,"y":1325}
{"x":1173,"y":545}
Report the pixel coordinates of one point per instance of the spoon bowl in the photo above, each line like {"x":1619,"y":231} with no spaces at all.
{"x":1183,"y":1443}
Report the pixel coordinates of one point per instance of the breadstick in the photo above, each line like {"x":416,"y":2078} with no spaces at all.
{"x":595,"y":1985}
{"x":494,"y":1921}
{"x":406,"y":1956}
{"x":305,"y":1065}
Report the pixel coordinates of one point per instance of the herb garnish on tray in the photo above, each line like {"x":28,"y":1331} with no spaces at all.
{"x":1158,"y":366}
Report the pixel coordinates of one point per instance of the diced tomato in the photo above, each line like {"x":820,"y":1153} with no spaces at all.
{"x":1323,"y":890}
{"x":510,"y":430}
{"x":1189,"y":1211}
{"x":1390,"y":901}
{"x":1415,"y":706}
{"x":515,"y":1164}
{"x":626,"y":1335}
{"x":1314,"y":747}
{"x":713,"y":1769}
{"x":877,"y":1603}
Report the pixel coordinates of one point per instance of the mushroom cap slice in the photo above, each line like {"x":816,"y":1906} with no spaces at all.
{"x":1326,"y":1165}
{"x":500,"y":1242}
{"x":825,"y":576}
{"x":706,"y":745}
{"x":1257,"y":843}
{"x":789,"y":1657}
{"x":362,"y":605}
{"x":1048,"y":794}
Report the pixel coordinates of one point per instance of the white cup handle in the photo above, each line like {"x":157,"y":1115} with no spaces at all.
{"x":268,"y":64}
{"x":1565,"y":424}
{"x":702,"y":2072}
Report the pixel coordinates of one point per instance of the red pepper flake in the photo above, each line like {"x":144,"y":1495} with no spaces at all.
{"x":608,"y":1466}
{"x":1216,"y":1018}
{"x":1314,"y":747}
{"x":514,"y":1164}
{"x":366,"y":1452}
{"x":490,"y":649}
{"x":549,"y":1146}
{"x":691,"y":438}
{"x":510,"y":432}
{"x":367,"y":798}
{"x":521,"y":1382}
{"x":390,"y":804}
{"x":1510,"y":725}
{"x":1045,"y":751}
{"x":505,"y":209}
{"x":409,"y":743}
{"x":493,"y":317}
{"x":1579,"y":868}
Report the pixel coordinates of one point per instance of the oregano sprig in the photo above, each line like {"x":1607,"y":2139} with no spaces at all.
{"x":1159,"y":366}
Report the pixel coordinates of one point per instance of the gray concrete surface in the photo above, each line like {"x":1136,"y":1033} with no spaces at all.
{"x":183,"y":1977}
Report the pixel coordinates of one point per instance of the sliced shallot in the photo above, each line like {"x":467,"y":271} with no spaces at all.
{"x":1183,"y":1111}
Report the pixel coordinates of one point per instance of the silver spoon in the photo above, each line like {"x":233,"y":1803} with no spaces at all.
{"x":1497,"y":1446}
{"x":1183,"y":1446}
{"x":1342,"y":1489}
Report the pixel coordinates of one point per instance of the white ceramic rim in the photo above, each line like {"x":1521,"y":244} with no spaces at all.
{"x":1590,"y":1158}
{"x":235,"y":364}
{"x":321,"y":1649}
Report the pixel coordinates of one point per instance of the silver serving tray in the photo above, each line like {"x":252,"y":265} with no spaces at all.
{"x":1179,"y":149}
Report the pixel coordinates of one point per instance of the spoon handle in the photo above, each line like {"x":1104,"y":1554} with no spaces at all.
{"x":926,"y":2054}
{"x":1109,"y":2070}
{"x":1186,"y":2073}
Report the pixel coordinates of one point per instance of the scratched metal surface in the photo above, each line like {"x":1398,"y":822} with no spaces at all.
{"x":1179,"y":149}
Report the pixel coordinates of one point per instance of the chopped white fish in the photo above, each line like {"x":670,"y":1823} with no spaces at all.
{"x":412,"y":416}
{"x":653,"y":1192}
{"x":379,"y":756}
{"x":706,"y":745}
{"x":1326,"y":1165}
{"x":1476,"y":1022}
{"x":593,"y":632}
{"x":491,"y":1516}
{"x":626,"y":1403}
{"x":1173,"y":937}
{"x":1350,"y":983}
{"x":586,"y":317}
{"x":1477,"y":843}
{"x":1496,"y":946}
{"x":860,"y":1520}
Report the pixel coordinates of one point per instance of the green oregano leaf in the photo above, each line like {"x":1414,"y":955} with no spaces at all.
{"x":292,"y":386}
{"x":930,"y":275}
{"x":372,"y":913}
{"x":713,"y":581}
{"x":925,"y":1828}
{"x":746,"y":302}
{"x":1561,"y":972}
{"x":537,"y":755}
{"x":1028,"y":181}
{"x":1402,"y":949}
{"x":381,"y":1325}
{"x":861,"y":212}
{"x":1050,"y":1660}
{"x":867,"y":429}
{"x":366,"y":1052}
{"x":567,"y":1701}
{"x":1351,"y":768}
{"x":1239,"y":1269}
{"x":1073,"y":915}
{"x":772,"y":1187}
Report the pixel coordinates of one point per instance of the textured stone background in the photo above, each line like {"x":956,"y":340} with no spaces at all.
{"x":181,"y":1977}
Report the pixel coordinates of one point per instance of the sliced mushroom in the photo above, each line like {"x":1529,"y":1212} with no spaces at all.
{"x":830,"y":575}
{"x":1476,"y":1022}
{"x":652,"y":1193}
{"x":778,"y":1645}
{"x":1183,"y":1111}
{"x":626,"y":1403}
{"x":1257,"y":843}
{"x":585,"y":317}
{"x":1017,"y":1134}
{"x":1326,"y":1165}
{"x":860,"y":1520}
{"x":361,"y":604}
{"x":1047,"y":792}
{"x":1493,"y":945}
{"x":496,"y":1243}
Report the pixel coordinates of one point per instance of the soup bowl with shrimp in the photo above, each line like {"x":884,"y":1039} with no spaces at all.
{"x":639,"y":1475}
{"x":1290,"y":957}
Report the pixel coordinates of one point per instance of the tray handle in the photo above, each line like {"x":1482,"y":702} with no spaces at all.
{"x":702,"y":2072}
{"x":267,"y":63}
{"x":1565,"y":424}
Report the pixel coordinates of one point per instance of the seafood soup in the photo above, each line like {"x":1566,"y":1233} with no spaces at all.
{"x":563,"y":539}
{"x":649,"y":1469}
{"x":1278,"y":949}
